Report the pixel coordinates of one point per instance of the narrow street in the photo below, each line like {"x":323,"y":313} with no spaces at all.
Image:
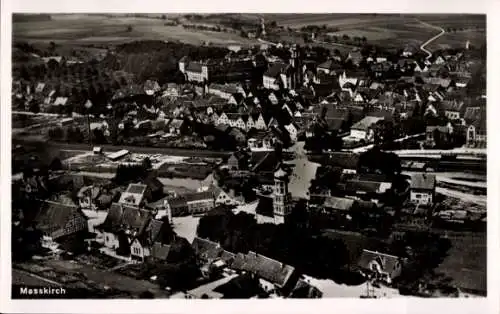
{"x":442,"y":32}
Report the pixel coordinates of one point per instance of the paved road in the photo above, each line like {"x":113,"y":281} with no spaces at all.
{"x":442,"y":32}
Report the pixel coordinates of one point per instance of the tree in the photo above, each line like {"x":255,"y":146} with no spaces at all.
{"x":34,"y":106}
{"x":55,"y":164}
{"x":129,"y":28}
{"x":177,"y":276}
{"x":56,"y":133}
{"x":146,"y":295}
{"x":377,"y":161}
{"x":163,"y":17}
{"x":127,"y":173}
{"x":52,"y":46}
{"x":383,"y":132}
{"x":425,"y":252}
{"x":123,"y":245}
{"x":98,"y":136}
{"x":146,"y":163}
{"x":273,"y":24}
{"x":25,"y":242}
{"x":299,"y":217}
{"x":306,"y":37}
{"x":52,"y":65}
{"x":74,"y":135}
{"x":345,"y":37}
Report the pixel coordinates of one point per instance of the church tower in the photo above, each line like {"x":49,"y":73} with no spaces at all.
{"x":295,"y":64}
{"x":262,"y":28}
{"x":281,"y":196}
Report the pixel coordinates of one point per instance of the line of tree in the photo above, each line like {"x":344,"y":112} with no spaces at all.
{"x":215,"y":28}
{"x":292,"y":243}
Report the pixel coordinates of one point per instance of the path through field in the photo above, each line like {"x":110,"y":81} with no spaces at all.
{"x":442,"y":32}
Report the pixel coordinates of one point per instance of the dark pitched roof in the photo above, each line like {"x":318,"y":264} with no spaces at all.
{"x":238,"y":97}
{"x":122,"y":216}
{"x":136,"y":188}
{"x":160,"y":251}
{"x":423,"y":181}
{"x":53,"y":216}
{"x":152,"y":233}
{"x":276,"y":69}
{"x":194,"y":67}
{"x":330,"y":65}
{"x":364,"y":186}
{"x":176,"y":202}
{"x":206,"y":249}
{"x":264,"y":267}
{"x":153,"y":183}
{"x":333,"y":112}
{"x":304,"y":290}
{"x":265,"y":205}
{"x":176,"y":123}
{"x":366,"y":123}
{"x":341,"y":159}
{"x":135,"y":218}
{"x":335,"y":123}
{"x":387,"y":114}
{"x":227,"y":257}
{"x":264,"y":161}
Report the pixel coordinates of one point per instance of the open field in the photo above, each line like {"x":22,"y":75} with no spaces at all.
{"x":458,"y":39}
{"x":357,"y":20}
{"x":466,"y":260}
{"x":394,"y":30}
{"x":383,"y":29}
{"x":455,"y":20}
{"x":96,"y":29}
{"x":337,"y":20}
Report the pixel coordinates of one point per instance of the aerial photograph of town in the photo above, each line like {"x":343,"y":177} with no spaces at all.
{"x":248,"y":156}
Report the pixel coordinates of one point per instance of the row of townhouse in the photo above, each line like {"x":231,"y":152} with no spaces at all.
{"x":244,"y":122}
